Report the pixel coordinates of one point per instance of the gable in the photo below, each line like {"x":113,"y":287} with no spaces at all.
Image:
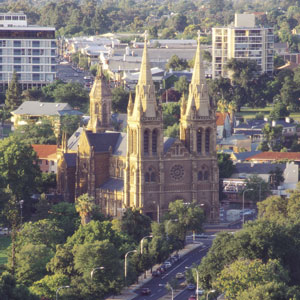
{"x":176,"y":149}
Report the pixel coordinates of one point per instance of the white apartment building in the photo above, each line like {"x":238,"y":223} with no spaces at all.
{"x":28,"y":50}
{"x":242,"y":40}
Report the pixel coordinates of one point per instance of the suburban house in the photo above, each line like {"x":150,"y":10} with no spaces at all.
{"x":47,"y":157}
{"x":32,"y":112}
{"x":235,"y":143}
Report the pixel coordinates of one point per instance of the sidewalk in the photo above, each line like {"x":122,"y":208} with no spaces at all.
{"x":128,"y":292}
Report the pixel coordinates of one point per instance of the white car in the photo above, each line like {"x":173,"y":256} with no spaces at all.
{"x":199,"y":291}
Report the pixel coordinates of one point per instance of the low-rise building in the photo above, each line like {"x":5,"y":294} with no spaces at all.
{"x":47,"y":158}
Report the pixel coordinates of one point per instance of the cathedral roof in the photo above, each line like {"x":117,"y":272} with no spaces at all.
{"x":168,"y":142}
{"x":102,"y":141}
{"x":121,"y":146}
{"x":113,"y":184}
{"x":74,"y":138}
{"x":70,"y":159}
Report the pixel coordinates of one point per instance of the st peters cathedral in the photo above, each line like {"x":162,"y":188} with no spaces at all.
{"x":142,"y":168}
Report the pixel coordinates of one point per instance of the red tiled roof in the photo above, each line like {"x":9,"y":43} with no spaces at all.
{"x":276,"y":156}
{"x":220,"y":118}
{"x":43,"y":151}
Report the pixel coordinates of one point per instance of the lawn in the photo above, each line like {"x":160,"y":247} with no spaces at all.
{"x":4,"y":244}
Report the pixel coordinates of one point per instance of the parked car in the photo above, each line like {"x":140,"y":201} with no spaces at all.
{"x":199,"y":291}
{"x":192,"y":297}
{"x":191,"y":287}
{"x":179,"y":275}
{"x":167,"y":264}
{"x":155,"y":273}
{"x":146,"y":291}
{"x":162,"y":269}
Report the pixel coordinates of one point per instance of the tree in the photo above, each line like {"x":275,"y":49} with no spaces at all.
{"x":172,"y":131}
{"x":177,"y":64}
{"x":9,"y":289}
{"x":13,"y":97}
{"x":120,"y":99}
{"x":181,"y":218}
{"x":171,"y":114}
{"x":170,"y":95}
{"x":33,"y":95}
{"x":259,"y":189}
{"x":182,"y":85}
{"x":135,"y":225}
{"x":225,"y":164}
{"x":31,"y":262}
{"x":42,"y":133}
{"x":73,"y":94}
{"x":70,"y":123}
{"x":245,"y":274}
{"x":289,"y":94}
{"x":273,"y":137}
{"x":179,"y":22}
{"x":279,"y":111}
{"x":276,"y":177}
{"x":19,"y":169}
{"x":84,"y":205}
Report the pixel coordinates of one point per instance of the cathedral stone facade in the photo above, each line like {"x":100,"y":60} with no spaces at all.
{"x":144,"y":169}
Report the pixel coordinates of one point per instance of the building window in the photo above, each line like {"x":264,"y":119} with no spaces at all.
{"x":35,"y":44}
{"x":199,"y":140}
{"x":187,"y":138}
{"x":154,"y":141}
{"x":207,"y":140}
{"x":17,"y":68}
{"x":147,"y":177}
{"x":35,"y":52}
{"x":35,"y":68}
{"x":153,"y":177}
{"x":17,"y":60}
{"x":206,"y":175}
{"x":200,"y":176}
{"x":52,"y":163}
{"x":17,"y":51}
{"x":35,"y":76}
{"x":35,"y":60}
{"x":40,"y":162}
{"x":146,"y":141}
{"x":46,"y":162}
{"x":17,"y":43}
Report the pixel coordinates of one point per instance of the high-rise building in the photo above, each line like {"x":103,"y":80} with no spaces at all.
{"x":242,"y":40}
{"x":30,"y":51}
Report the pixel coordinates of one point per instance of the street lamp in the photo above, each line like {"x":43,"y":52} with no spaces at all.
{"x":172,"y":290}
{"x":142,"y":241}
{"x":244,"y":203}
{"x":98,"y":268}
{"x":211,"y":291}
{"x":62,"y":287}
{"x":197,"y":282}
{"x":21,"y":208}
{"x":125,"y":266}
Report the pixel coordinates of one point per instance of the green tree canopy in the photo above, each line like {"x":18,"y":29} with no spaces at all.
{"x":259,"y":189}
{"x":225,"y":164}
{"x":120,"y":99}
{"x":13,"y":97}
{"x":177,"y":64}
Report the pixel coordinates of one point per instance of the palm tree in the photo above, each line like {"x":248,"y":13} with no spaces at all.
{"x":84,"y":206}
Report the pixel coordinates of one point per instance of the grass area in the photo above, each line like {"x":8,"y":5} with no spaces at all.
{"x":249,"y":113}
{"x":4,"y":244}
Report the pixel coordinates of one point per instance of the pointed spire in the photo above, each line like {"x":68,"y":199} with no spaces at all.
{"x":198,"y":74}
{"x":145,"y":73}
{"x":130,"y":104}
{"x":100,"y":70}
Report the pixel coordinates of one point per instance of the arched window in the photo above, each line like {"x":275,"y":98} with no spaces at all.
{"x":146,"y":141}
{"x":206,"y":175}
{"x":147,"y":177}
{"x":200,"y":176}
{"x":207,"y":140}
{"x":153,"y":177}
{"x":154,"y":141}
{"x":199,"y":140}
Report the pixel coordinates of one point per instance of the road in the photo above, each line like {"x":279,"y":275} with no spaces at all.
{"x":68,"y":73}
{"x":194,"y":257}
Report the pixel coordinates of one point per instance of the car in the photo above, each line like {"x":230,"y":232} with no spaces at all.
{"x":179,"y":275}
{"x":191,"y":287}
{"x":146,"y":291}
{"x":167,"y":264}
{"x":192,"y":297}
{"x":162,"y":269}
{"x":199,"y":291}
{"x":155,"y":273}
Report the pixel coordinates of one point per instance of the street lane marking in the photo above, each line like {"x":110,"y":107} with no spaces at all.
{"x":174,"y":269}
